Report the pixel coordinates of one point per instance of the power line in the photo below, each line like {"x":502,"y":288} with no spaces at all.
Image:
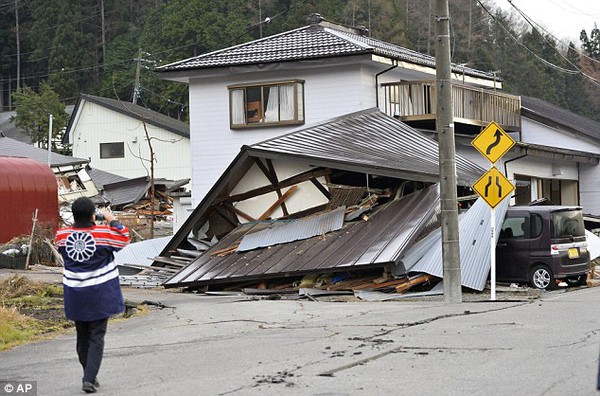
{"x":124,"y":62}
{"x":540,"y":27}
{"x":574,"y":10}
{"x":544,"y":61}
{"x":531,"y":23}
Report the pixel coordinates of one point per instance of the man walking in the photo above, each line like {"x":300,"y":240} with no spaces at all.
{"x":92,"y":292}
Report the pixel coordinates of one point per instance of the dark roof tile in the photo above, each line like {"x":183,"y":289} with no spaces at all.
{"x":309,"y":42}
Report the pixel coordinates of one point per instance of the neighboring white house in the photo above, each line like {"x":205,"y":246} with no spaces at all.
{"x":558,"y":155}
{"x":265,"y":88}
{"x":112,"y":135}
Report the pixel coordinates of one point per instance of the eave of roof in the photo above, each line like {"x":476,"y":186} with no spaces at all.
{"x":559,"y":118}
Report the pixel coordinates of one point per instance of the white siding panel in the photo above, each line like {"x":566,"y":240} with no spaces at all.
{"x":329,"y":92}
{"x":541,"y":169}
{"x":589,"y":188}
{"x":98,"y":124}
{"x":537,"y":133}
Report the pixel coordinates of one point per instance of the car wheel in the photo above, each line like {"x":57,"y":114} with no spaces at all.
{"x":542,"y":278}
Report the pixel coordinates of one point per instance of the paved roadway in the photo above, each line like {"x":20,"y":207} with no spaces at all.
{"x":238,"y":346}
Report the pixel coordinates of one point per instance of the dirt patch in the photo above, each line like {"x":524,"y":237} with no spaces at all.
{"x":29,"y":311}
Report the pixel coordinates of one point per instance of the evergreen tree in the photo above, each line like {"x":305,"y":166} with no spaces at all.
{"x":33,"y":111}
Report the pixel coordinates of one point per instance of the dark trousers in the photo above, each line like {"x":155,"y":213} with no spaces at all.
{"x":90,"y":347}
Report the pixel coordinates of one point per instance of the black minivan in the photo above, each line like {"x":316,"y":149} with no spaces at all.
{"x":540,"y":244}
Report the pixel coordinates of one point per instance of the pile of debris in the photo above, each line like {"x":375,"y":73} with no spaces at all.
{"x":348,"y":246}
{"x":25,"y":250}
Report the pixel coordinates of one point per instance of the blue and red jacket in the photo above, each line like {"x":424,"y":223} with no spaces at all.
{"x":90,"y":277}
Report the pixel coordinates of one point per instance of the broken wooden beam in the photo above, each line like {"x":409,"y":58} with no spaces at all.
{"x":272,"y":208}
{"x":410,"y":282}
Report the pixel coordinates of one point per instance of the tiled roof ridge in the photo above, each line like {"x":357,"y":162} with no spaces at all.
{"x":216,"y":52}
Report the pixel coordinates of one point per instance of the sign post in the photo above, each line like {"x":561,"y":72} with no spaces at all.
{"x":493,"y":186}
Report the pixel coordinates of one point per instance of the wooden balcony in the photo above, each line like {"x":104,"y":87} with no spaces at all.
{"x":415,"y":101}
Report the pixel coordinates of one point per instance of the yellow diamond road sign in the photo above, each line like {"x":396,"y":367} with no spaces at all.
{"x":493,"y":142}
{"x":493,"y":187}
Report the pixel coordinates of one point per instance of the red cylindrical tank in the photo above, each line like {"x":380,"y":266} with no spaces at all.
{"x":26,"y":185}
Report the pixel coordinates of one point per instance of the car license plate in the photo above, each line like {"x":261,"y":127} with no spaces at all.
{"x":573,"y":253}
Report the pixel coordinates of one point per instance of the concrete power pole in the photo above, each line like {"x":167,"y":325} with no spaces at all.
{"x":445,"y":132}
{"x":136,"y":85}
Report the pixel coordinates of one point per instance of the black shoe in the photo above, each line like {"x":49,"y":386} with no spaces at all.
{"x":88,"y":387}
{"x":96,"y":383}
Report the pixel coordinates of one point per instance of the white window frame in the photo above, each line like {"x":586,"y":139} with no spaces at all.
{"x":266,"y":112}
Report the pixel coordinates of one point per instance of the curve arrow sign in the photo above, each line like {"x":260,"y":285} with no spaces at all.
{"x":498,"y":136}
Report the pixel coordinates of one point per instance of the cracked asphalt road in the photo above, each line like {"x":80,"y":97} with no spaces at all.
{"x":199,"y":345}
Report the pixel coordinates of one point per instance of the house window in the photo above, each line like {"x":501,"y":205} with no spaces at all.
{"x":112,"y":150}
{"x":280,"y":103}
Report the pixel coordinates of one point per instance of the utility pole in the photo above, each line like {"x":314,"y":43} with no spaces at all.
{"x":445,"y":132}
{"x":103,"y":32}
{"x":18,"y":44}
{"x":136,"y":86}
{"x":260,"y":21}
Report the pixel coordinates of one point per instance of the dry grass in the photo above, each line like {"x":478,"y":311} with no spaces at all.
{"x":29,"y":311}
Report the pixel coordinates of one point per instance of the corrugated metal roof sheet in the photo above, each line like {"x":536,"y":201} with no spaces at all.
{"x":294,"y":230}
{"x":14,"y":148}
{"x":593,"y":244}
{"x":474,"y":230}
{"x":370,"y":139}
{"x":376,"y":242}
{"x":309,"y":42}
{"x":141,"y":253}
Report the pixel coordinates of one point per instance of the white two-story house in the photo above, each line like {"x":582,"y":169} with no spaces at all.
{"x":113,"y":135}
{"x":258,"y":90}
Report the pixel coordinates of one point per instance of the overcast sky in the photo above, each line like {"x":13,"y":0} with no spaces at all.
{"x":563,"y":18}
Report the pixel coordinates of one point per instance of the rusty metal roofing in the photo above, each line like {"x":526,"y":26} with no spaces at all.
{"x":474,"y":239}
{"x":361,"y":244}
{"x":26,"y":186}
{"x":294,"y":230}
{"x":308,"y":42}
{"x":369,"y":141}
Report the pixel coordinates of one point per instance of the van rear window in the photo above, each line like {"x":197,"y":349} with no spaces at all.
{"x":567,"y":223}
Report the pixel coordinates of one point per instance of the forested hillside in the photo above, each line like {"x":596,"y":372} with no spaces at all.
{"x":94,"y":46}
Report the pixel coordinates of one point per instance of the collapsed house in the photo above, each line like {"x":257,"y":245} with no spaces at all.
{"x":347,"y":196}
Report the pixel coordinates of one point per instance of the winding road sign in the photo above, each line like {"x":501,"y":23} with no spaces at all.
{"x":493,"y":187}
{"x":493,"y":142}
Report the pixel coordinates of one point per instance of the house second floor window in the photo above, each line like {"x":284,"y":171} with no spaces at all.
{"x":280,"y":103}
{"x":112,"y":150}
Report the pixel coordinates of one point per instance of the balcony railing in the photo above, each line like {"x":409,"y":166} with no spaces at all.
{"x":416,"y":101}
